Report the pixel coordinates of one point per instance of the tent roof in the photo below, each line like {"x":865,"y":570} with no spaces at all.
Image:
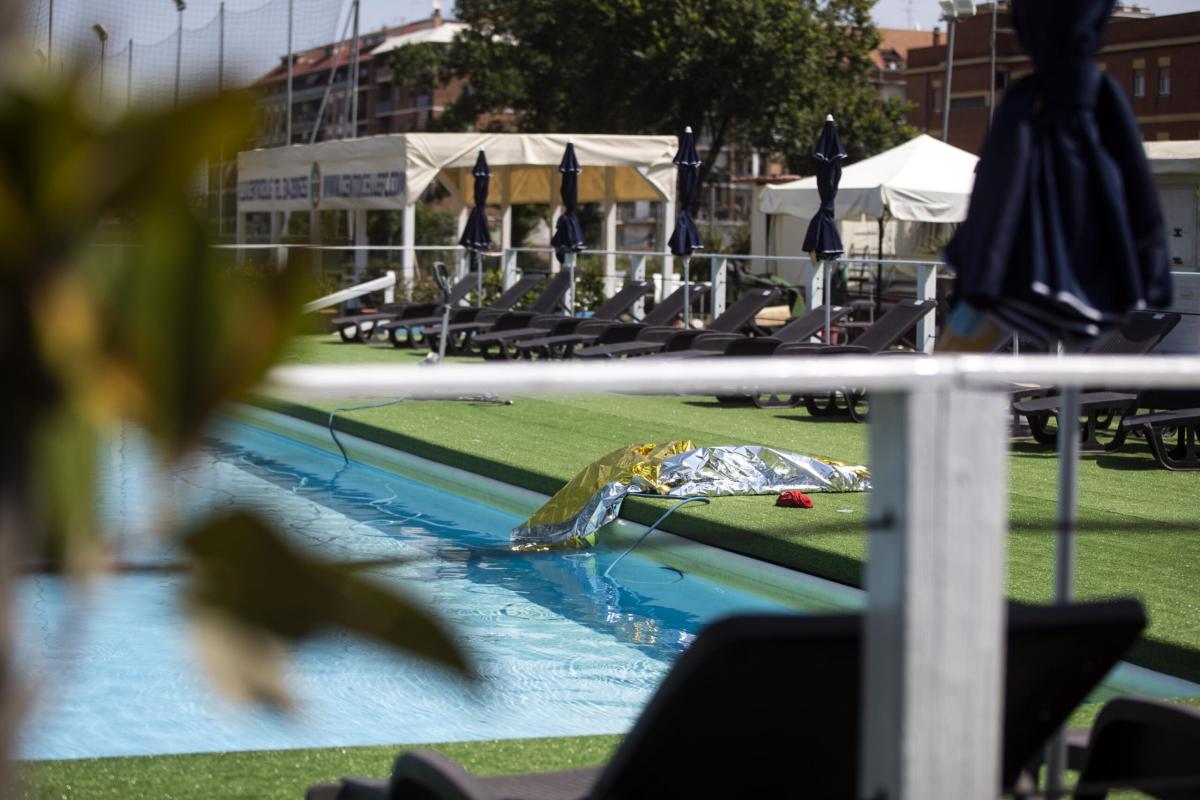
{"x":1174,"y":158}
{"x":922,"y":180}
{"x":392,"y":171}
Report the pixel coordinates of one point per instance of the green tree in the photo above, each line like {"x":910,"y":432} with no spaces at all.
{"x":756,"y":73}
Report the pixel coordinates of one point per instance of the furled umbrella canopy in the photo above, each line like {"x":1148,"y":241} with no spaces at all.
{"x":822,"y":236}
{"x":685,"y":239}
{"x":475,"y":235}
{"x":1065,"y":232}
{"x":568,"y":233}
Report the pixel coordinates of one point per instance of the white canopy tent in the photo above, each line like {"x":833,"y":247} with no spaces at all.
{"x":392,"y":172}
{"x":923,"y":181}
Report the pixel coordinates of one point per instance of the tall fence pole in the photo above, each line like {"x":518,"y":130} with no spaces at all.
{"x":221,"y":145}
{"x":50,"y":40}
{"x":180,"y":5}
{"x":291,"y":9}
{"x":129,"y":77}
{"x":354,"y":76}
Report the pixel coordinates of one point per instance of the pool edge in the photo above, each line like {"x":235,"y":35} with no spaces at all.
{"x":787,"y":586}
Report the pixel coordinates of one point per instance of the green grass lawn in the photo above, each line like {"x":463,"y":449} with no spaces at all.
{"x":284,"y":774}
{"x":1130,"y":509}
{"x":540,"y":443}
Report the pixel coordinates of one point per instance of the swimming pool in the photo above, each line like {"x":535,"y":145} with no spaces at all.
{"x":562,"y":649}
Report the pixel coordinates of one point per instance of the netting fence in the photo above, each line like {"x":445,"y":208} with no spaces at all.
{"x":155,"y":53}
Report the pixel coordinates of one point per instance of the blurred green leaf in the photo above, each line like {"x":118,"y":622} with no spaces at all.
{"x":250,"y":586}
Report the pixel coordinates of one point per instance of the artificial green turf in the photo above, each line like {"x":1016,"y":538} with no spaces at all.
{"x":284,"y":774}
{"x":1134,"y":515}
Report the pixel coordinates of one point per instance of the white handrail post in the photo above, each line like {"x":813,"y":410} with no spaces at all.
{"x":637,"y":269}
{"x":389,"y":294}
{"x":926,"y":290}
{"x":717,"y":278}
{"x":934,"y":627}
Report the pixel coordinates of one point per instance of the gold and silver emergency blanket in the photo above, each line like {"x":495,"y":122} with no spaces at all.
{"x":676,"y":469}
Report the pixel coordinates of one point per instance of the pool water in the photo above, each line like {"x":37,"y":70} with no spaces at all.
{"x":562,"y":649}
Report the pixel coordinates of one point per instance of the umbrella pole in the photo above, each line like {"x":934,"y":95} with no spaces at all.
{"x":1064,"y":550}
{"x":828,"y":290}
{"x":687,"y":296}
{"x":571,"y":294}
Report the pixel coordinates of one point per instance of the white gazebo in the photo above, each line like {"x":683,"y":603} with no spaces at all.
{"x":391,"y":172}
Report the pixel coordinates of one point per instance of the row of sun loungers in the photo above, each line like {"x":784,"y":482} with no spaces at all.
{"x":770,"y":706}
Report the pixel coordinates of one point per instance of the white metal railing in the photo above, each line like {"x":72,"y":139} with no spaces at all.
{"x":934,"y":624}
{"x":387,"y":283}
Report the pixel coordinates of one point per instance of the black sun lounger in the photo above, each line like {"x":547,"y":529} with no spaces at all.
{"x":1150,"y":746}
{"x":769,"y":706}
{"x":563,"y":345}
{"x":615,"y":343}
{"x":1139,"y":333}
{"x":524,"y":285}
{"x":798,"y":329}
{"x":511,"y":329}
{"x":361,"y":327}
{"x":875,"y":340}
{"x":459,"y":333}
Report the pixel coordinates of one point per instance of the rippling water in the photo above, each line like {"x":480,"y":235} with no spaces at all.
{"x":562,"y":649}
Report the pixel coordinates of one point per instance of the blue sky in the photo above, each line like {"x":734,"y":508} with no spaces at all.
{"x":888,"y":13}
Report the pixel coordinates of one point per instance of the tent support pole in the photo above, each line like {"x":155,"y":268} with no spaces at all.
{"x":879,"y":270}
{"x":408,"y":256}
{"x":610,"y":232}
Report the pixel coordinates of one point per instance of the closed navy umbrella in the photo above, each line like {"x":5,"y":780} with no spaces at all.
{"x":568,"y":233}
{"x":475,"y":236}
{"x":1065,"y":232}
{"x":685,"y":239}
{"x":822,"y":238}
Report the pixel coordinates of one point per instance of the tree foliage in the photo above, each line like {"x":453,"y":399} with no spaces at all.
{"x":757,"y":73}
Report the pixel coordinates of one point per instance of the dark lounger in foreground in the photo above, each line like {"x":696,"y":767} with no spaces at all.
{"x":509,"y":298}
{"x":563,"y":345}
{"x":507,"y":332}
{"x":769,"y":706}
{"x":1145,"y":745}
{"x":618,"y":343}
{"x":361,"y":327}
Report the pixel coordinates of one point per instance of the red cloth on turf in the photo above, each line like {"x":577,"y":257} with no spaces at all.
{"x":793,"y":499}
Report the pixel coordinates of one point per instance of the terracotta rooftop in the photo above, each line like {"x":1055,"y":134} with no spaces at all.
{"x":900,"y":40}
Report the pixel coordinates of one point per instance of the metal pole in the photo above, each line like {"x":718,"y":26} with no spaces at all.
{"x":992,"y":88}
{"x":950,"y":25}
{"x":221,"y":48}
{"x":571,"y":269}
{"x":180,"y":5}
{"x":827,"y":290}
{"x":1064,"y":550}
{"x":50,"y":40}
{"x":221,"y":145}
{"x":291,"y":8}
{"x":129,"y":77}
{"x":354,"y":79}
{"x":687,"y":294}
{"x":102,"y":35}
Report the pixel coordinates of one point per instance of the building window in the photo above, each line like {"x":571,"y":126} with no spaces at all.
{"x":975,"y":101}
{"x":1139,"y":83}
{"x":936,"y":102}
{"x":1001,"y":79}
{"x":1164,"y":81}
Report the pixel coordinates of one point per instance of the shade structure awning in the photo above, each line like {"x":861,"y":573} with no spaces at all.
{"x":392,"y":171}
{"x":922,"y":180}
{"x":1174,"y":158}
